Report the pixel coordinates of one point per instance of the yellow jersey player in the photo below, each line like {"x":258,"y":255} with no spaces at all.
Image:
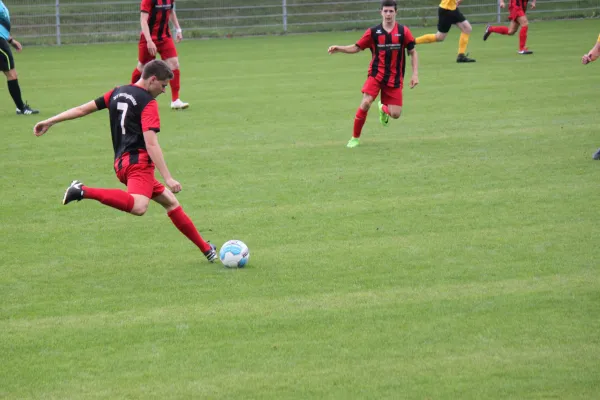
{"x":448,"y":15}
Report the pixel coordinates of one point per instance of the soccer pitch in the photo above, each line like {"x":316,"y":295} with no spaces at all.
{"x":450,"y":256}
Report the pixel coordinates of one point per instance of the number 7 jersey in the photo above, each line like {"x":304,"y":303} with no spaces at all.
{"x":132,"y":111}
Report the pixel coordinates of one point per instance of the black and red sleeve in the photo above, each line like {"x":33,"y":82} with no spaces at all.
{"x":150,"y":117}
{"x":146,"y":6}
{"x":102,"y":102}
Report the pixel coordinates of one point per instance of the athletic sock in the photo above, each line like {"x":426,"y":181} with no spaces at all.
{"x":114,"y":198}
{"x":15,"y":93}
{"x":429,"y":38}
{"x":502,"y":30}
{"x":523,"y":37}
{"x":186,"y":226}
{"x":359,"y":122}
{"x":175,"y":85}
{"x":463,"y":42}
{"x":135,"y":76}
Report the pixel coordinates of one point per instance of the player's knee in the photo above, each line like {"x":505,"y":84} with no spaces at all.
{"x":467,"y":29}
{"x":395,"y":114}
{"x":140,"y":205}
{"x":173,"y":63}
{"x":139,"y":210}
{"x":439,"y":37}
{"x":512,"y":32}
{"x":524,"y":24}
{"x":11,"y":75}
{"x":365,"y":105}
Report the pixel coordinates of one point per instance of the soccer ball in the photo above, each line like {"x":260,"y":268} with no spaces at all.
{"x":234,"y":254}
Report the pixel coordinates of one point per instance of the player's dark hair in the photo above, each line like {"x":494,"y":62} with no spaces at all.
{"x":389,"y":3}
{"x":157,"y":68}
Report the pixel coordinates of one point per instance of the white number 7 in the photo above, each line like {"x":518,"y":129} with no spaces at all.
{"x":122,"y":107}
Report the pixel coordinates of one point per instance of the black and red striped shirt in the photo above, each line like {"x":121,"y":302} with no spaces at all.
{"x":158,"y":21}
{"x":389,"y":53}
{"x":132,"y":111}
{"x":518,"y":4}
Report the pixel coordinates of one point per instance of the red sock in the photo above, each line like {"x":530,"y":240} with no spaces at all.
{"x":187,"y":227}
{"x":503,"y":30}
{"x":135,"y":76}
{"x":175,"y":85}
{"x":385,"y":109}
{"x":523,"y":37}
{"x":114,"y":198}
{"x":359,"y":122}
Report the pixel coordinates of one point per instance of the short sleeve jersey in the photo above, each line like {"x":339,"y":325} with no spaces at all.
{"x":388,"y":51}
{"x":159,"y":12}
{"x":448,"y":4}
{"x":132,"y":111}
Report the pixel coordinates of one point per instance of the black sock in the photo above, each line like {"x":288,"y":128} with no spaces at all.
{"x":15,"y":92}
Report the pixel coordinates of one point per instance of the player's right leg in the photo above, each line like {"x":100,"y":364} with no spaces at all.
{"x":466,"y":29}
{"x":132,"y":203}
{"x":182,"y":221}
{"x":370,"y":92}
{"x":524,"y":23}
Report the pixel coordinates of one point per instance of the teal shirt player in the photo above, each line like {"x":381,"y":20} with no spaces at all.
{"x":4,"y":21}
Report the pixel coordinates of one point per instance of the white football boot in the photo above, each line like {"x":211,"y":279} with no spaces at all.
{"x":179,"y":105}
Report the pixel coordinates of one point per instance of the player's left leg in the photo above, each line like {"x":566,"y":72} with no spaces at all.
{"x":182,"y":221}
{"x":390,"y":104}
{"x":444,"y":24}
{"x":502,"y":30}
{"x":522,"y":20}
{"x":168,"y":52}
{"x":463,"y":42}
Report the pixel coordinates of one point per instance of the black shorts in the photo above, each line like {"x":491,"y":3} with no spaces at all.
{"x":447,"y":18}
{"x":7,"y":62}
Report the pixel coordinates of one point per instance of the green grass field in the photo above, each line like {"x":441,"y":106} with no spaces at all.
{"x":450,"y":256}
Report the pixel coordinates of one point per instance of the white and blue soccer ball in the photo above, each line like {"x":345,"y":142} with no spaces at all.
{"x":234,"y":254}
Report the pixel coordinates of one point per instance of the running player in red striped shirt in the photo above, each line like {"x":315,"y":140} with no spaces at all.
{"x":134,"y":124}
{"x":517,"y":16}
{"x":156,"y":38}
{"x":388,"y":43}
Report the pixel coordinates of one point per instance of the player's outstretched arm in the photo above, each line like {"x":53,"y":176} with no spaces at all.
{"x":414,"y":62}
{"x":76,"y":112}
{"x":156,"y":154}
{"x":592,"y":55}
{"x":350,"y":49}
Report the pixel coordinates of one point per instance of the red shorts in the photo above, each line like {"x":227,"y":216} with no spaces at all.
{"x":166,"y":49}
{"x":515,"y":12}
{"x":389,"y":95}
{"x":139,"y":179}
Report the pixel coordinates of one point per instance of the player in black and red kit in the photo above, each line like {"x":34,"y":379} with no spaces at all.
{"x":155,"y":38}
{"x":134,"y":124}
{"x":388,"y":43}
{"x":517,"y":10}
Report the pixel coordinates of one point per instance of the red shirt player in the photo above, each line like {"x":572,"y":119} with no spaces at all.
{"x":134,"y":124}
{"x":156,"y":38}
{"x":517,"y":17}
{"x":388,"y":42}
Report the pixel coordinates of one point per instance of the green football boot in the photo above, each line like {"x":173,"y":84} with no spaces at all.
{"x":383,"y":117}
{"x":353,"y":143}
